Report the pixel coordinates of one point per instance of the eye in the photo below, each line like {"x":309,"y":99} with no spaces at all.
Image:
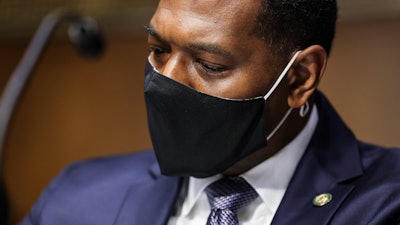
{"x":157,"y":51}
{"x":158,"y":55}
{"x":211,"y":68}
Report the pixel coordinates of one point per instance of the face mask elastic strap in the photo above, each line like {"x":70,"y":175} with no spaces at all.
{"x":280,"y":123}
{"x":154,"y":68}
{"x":282,"y":75}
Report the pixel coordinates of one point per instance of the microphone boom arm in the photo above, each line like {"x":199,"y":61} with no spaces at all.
{"x":19,"y":77}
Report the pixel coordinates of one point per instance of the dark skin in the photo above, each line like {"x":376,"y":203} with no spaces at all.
{"x":210,"y":46}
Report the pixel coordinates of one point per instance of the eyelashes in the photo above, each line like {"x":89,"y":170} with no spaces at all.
{"x":158,"y":55}
{"x":210,"y":68}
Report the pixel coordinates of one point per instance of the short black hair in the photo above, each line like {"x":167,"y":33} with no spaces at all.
{"x":288,"y":25}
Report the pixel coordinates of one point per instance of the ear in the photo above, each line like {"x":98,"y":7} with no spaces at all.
{"x":305,"y":74}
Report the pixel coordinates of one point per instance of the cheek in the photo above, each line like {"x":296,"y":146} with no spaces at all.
{"x":254,"y":81}
{"x":240,"y":85}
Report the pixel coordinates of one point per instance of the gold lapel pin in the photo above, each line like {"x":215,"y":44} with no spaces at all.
{"x":322,"y":199}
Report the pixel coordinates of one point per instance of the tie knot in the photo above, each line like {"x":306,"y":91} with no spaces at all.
{"x":232,"y":193}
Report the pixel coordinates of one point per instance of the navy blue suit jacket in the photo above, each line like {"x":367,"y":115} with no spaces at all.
{"x":363,"y":179}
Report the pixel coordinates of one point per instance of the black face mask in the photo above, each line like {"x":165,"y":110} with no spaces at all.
{"x":195,"y":134}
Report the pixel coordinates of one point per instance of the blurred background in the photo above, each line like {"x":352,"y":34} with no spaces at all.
{"x":74,"y":108}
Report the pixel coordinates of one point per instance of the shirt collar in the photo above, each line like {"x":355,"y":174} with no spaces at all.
{"x":269,"y":178}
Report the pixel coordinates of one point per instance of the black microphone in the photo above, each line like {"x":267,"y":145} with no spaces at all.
{"x":87,"y":38}
{"x":84,"y":33}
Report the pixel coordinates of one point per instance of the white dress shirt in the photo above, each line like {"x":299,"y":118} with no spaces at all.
{"x":270,"y":179}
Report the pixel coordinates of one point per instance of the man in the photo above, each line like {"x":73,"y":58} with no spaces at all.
{"x":232,"y":101}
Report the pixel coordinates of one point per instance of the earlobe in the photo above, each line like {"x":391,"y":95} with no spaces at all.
{"x":305,"y":75}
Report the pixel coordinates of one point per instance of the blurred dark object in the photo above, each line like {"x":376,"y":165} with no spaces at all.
{"x":3,"y":204}
{"x":84,"y":33}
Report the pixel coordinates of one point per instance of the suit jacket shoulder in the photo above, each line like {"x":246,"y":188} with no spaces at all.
{"x":95,"y":191}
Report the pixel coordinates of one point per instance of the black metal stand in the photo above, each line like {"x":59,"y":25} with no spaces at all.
{"x":85,"y":35}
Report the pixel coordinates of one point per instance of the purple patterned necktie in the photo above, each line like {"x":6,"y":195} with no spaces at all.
{"x":227,"y":197}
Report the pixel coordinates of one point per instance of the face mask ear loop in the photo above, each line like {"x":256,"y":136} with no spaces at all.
{"x":282,"y":75}
{"x":273,"y":89}
{"x":280,"y":124}
{"x":154,"y":68}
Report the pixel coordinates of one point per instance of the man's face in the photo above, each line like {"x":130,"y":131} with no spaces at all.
{"x":211,"y":46}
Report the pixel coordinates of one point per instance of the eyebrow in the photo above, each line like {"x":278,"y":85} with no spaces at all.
{"x":152,"y":32}
{"x":211,"y":48}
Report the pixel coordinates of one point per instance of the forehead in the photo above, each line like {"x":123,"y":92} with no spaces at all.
{"x":230,"y":15}
{"x":211,"y":6}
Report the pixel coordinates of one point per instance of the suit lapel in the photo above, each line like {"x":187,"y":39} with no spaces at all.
{"x":151,"y":201}
{"x":297,"y":205}
{"x":331,"y":159}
